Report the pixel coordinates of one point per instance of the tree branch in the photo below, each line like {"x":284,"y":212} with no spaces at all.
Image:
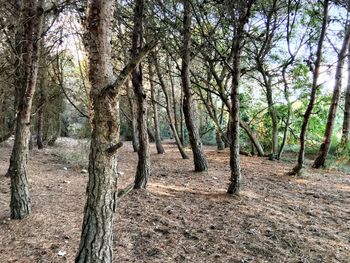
{"x":113,"y":88}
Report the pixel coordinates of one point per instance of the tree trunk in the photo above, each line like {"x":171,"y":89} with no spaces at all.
{"x":346,"y":120}
{"x":160,"y":149}
{"x":301,"y":156}
{"x":182,"y":132}
{"x":241,"y":20}
{"x":143,"y":165}
{"x":289,"y":112}
{"x":96,"y":238}
{"x":200,"y":161}
{"x":274,"y":120}
{"x":40,"y":114}
{"x":326,"y":144}
{"x":173,"y":99}
{"x":134,"y":130}
{"x":252,"y":137}
{"x":168,"y":109}
{"x":219,"y":142}
{"x":32,"y":26}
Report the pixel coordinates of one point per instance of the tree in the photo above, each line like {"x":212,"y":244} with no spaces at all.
{"x":31,"y":17}
{"x":240,"y":12}
{"x":326,"y":144}
{"x":143,"y":165}
{"x":200,"y":161}
{"x":168,"y":108}
{"x":316,"y":72}
{"x":346,"y":118}
{"x":160,"y":149}
{"x":96,"y":237}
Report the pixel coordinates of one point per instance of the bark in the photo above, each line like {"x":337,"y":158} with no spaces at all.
{"x":40,"y":114}
{"x":326,"y":144}
{"x":159,"y":146}
{"x":222,"y":90}
{"x":219,"y":142}
{"x":168,"y":109}
{"x":182,"y":132}
{"x":173,"y":99}
{"x":133,"y":110}
{"x":301,"y":156}
{"x":252,"y":137}
{"x":143,"y":165}
{"x":32,"y":14}
{"x":241,"y":20}
{"x":96,"y":238}
{"x":346,"y":120}
{"x":200,"y":161}
{"x":289,"y":111}
{"x":274,"y":120}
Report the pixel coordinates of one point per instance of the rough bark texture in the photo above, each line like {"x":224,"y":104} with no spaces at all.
{"x":240,"y":21}
{"x":219,"y":142}
{"x":143,"y":165}
{"x":301,"y":156}
{"x":96,"y":238}
{"x":200,"y":161}
{"x":326,"y":144}
{"x":32,"y":15}
{"x":133,"y":110}
{"x":346,"y":120}
{"x":168,"y":109}
{"x":40,"y":114}
{"x":160,"y":149}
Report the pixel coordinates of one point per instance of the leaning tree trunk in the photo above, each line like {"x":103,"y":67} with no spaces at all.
{"x":200,"y":161}
{"x":143,"y":165}
{"x":168,"y":109}
{"x":160,"y":149}
{"x":32,"y":14}
{"x":326,"y":144}
{"x":301,"y":156}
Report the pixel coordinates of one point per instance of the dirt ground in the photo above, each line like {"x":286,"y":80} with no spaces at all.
{"x":184,"y":216}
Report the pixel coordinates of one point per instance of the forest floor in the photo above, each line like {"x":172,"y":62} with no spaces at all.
{"x":183,"y":216}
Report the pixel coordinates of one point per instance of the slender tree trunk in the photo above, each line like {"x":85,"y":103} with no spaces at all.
{"x":32,"y":12}
{"x":252,"y":137}
{"x":132,"y":105}
{"x":143,"y":165}
{"x":326,"y":144}
{"x":168,"y":109}
{"x":182,"y":132}
{"x":96,"y":238}
{"x":289,"y":113}
{"x":243,"y":8}
{"x":173,"y":100}
{"x":274,"y":120}
{"x":40,"y":114}
{"x":200,"y":161}
{"x":160,"y":149}
{"x":301,"y":156}
{"x":346,"y":120}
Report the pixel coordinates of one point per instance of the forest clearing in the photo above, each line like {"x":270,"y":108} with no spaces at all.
{"x":184,"y":216}
{"x":175,"y":131}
